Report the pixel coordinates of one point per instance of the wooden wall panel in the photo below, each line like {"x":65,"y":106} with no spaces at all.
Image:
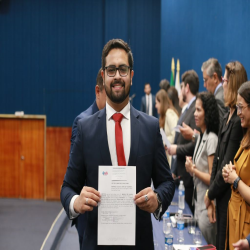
{"x":57,"y":156}
{"x":32,"y":159}
{"x":9,"y":158}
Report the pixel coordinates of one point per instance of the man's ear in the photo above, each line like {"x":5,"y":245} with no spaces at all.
{"x":97,"y":91}
{"x":132,"y":74}
{"x":102,"y":73}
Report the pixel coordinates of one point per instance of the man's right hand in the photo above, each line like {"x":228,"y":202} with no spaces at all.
{"x":87,"y":200}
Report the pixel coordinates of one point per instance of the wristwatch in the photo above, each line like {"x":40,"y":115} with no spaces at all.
{"x":193,"y":137}
{"x":235,"y":185}
{"x":158,"y":210}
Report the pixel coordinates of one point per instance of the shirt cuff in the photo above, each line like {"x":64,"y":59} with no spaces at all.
{"x":72,"y":213}
{"x":157,"y":213}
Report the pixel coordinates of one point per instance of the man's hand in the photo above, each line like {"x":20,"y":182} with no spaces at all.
{"x":241,"y":245}
{"x":141,"y":201}
{"x":211,"y":213}
{"x":186,"y":131}
{"x":172,"y":149}
{"x":87,"y":200}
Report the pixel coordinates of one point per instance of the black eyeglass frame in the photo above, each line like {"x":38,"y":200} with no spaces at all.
{"x":111,"y":66}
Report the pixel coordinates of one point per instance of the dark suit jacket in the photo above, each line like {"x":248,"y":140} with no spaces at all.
{"x":229,"y":139}
{"x":185,"y":148}
{"x":81,"y":220}
{"x":147,"y":154}
{"x":143,"y":105}
{"x":219,"y":97}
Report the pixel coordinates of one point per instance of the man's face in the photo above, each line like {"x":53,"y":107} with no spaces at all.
{"x":117,"y":87}
{"x":147,"y":89}
{"x":184,"y":97}
{"x":209,"y":82}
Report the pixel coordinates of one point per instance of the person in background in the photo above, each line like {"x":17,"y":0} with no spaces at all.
{"x":206,"y":117}
{"x":148,"y":102}
{"x":173,"y":96}
{"x":229,"y":137}
{"x":164,"y":84}
{"x":212,"y":75}
{"x":168,"y":116}
{"x":183,"y":147}
{"x":238,"y":176}
{"x":99,"y":103}
{"x":242,"y":244}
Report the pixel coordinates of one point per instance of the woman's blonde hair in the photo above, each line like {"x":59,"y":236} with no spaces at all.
{"x":163,"y":99}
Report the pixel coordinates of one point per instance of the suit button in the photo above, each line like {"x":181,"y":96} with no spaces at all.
{"x":218,"y":158}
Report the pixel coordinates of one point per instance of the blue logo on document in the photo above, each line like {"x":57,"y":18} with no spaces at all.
{"x":105,"y":173}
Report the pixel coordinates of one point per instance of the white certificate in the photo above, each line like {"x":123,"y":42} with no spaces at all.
{"x":116,"y":211}
{"x":164,"y":138}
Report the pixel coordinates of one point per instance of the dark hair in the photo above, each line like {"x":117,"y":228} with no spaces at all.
{"x":236,"y":75}
{"x":244,"y":92}
{"x":162,"y":98}
{"x":212,"y":66}
{"x":147,"y":83}
{"x":191,"y":78}
{"x":210,"y":107}
{"x":173,"y":96}
{"x":99,"y":80}
{"x":117,"y":44}
{"x":164,"y":84}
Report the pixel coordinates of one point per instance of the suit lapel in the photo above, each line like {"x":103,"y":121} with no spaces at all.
{"x":135,"y":133}
{"x":199,"y":150}
{"x":103,"y":145}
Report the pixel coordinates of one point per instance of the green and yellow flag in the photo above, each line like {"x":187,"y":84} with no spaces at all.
{"x":172,"y":73}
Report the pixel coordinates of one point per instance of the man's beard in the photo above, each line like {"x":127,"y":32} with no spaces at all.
{"x":113,"y":96}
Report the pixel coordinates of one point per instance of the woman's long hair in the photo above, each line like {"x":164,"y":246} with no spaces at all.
{"x":162,"y":98}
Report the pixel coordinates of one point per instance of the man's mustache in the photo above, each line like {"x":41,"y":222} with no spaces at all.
{"x":117,"y":82}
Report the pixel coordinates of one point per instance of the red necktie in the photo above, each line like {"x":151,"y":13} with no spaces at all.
{"x":118,"y":139}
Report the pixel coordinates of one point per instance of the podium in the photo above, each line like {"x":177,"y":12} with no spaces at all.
{"x":22,"y":156}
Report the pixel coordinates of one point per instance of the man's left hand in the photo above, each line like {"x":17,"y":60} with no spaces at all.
{"x":146,"y":200}
{"x":186,"y":131}
{"x":172,"y":149}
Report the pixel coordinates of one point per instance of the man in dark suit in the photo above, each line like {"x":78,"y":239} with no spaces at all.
{"x":183,"y":148}
{"x":99,"y":103}
{"x":148,"y":101}
{"x":212,"y":74}
{"x":95,"y":145}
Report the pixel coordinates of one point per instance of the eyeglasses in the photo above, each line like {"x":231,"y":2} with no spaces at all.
{"x":123,"y":70}
{"x":223,"y":80}
{"x":240,"y":108}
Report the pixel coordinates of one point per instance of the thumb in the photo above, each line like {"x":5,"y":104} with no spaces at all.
{"x":237,"y":244}
{"x":184,"y":124}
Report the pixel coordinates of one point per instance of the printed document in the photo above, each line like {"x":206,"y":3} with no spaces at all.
{"x":116,"y":211}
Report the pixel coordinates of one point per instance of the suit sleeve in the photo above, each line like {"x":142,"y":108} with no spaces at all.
{"x":218,"y":185}
{"x":74,"y":132}
{"x":74,"y":178}
{"x":248,"y":239}
{"x":162,"y":177}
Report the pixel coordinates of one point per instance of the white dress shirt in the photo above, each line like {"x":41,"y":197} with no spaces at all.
{"x":149,"y":104}
{"x":126,"y":132}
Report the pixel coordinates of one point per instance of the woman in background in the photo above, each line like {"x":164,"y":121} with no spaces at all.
{"x":168,"y":116}
{"x":229,"y":138}
{"x":238,"y":175}
{"x":173,"y":96}
{"x":206,"y":117}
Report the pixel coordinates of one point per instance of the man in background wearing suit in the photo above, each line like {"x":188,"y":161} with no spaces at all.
{"x":212,"y":74}
{"x":99,"y":103}
{"x":96,"y":144}
{"x":183,"y":148}
{"x":148,"y":101}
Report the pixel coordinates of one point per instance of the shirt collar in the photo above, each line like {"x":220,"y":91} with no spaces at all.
{"x":125,"y":111}
{"x":192,"y":100}
{"x":220,"y":84}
